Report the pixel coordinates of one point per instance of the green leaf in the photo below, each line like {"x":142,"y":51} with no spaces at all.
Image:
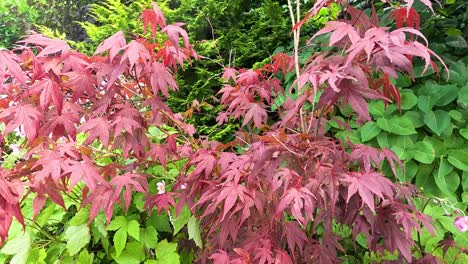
{"x":402,"y":126}
{"x":134,"y":253}
{"x":19,"y":247}
{"x":463,"y":96}
{"x":446,"y":94}
{"x":384,"y":124}
{"x":440,"y":173}
{"x":117,"y":223}
{"x":424,"y":152}
{"x":410,"y":170}
{"x":120,"y":240}
{"x":194,"y":231}
{"x":369,"y":131}
{"x":437,"y":121}
{"x":149,"y":236}
{"x":415,"y":117}
{"x":456,"y":115}
{"x":464,"y":133}
{"x":426,"y":102}
{"x":133,"y":229}
{"x":464,"y":181}
{"x":456,"y":42}
{"x":377,"y":108}
{"x":80,"y":217}
{"x":408,"y":99}
{"x":167,"y":252}
{"x":181,"y":220}
{"x":77,"y":237}
{"x":85,"y":257}
{"x":459,"y":159}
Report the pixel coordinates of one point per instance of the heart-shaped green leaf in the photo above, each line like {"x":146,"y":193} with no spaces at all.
{"x":437,"y":121}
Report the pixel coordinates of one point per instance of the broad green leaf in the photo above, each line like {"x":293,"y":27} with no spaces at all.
{"x":456,"y":115}
{"x":464,"y":181}
{"x":134,"y":253}
{"x":19,"y":247}
{"x":425,"y":103}
{"x":149,"y":236}
{"x":194,"y":231}
{"x":77,"y":237}
{"x":425,"y":180}
{"x":463,"y":96}
{"x":446,"y":95}
{"x":37,"y":256}
{"x":402,"y":126}
{"x":384,"y":124}
{"x":402,"y":146}
{"x":377,"y":108}
{"x":456,"y":42}
{"x":410,"y":170}
{"x":133,"y":229}
{"x":415,"y":117}
{"x":80,"y":217}
{"x":85,"y":257}
{"x":459,"y":159}
{"x":408,"y":99}
{"x":437,"y":121}
{"x":120,"y":240}
{"x":440,"y":147}
{"x":181,"y":220}
{"x":440,"y":173}
{"x":382,"y":140}
{"x":424,"y":152}
{"x":167,"y":253}
{"x":117,"y":223}
{"x":369,"y":131}
{"x":464,"y":133}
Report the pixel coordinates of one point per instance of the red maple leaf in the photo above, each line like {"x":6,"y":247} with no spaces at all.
{"x":257,"y":113}
{"x":49,"y":91}
{"x":161,"y":78}
{"x":130,"y":182}
{"x":98,"y":127}
{"x":135,"y":52}
{"x":114,"y":44}
{"x":83,"y":170}
{"x":406,"y":16}
{"x":153,"y":18}
{"x":51,"y":46}
{"x":9,"y":61}
{"x":368,"y":185}
{"x":81,"y":83}
{"x":174,"y":32}
{"x":24,"y":116}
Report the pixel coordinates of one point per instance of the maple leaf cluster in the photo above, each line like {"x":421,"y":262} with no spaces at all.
{"x":272,"y":196}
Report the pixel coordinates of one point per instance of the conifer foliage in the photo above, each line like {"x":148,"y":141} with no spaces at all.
{"x":274,"y":195}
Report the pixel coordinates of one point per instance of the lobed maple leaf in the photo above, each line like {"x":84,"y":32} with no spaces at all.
{"x":130,"y":182}
{"x":10,"y":195}
{"x":407,"y":16}
{"x":257,"y":113}
{"x":50,"y":92}
{"x":113,"y":45}
{"x":135,"y":52}
{"x":367,"y":185}
{"x":98,"y":127}
{"x":51,"y":46}
{"x":83,"y":170}
{"x":153,"y":17}
{"x":9,"y":61}
{"x":174,"y":32}
{"x":160,"y":79}
{"x":23,"y":116}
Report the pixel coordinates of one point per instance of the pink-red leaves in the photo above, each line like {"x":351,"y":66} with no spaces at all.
{"x":23,"y":116}
{"x":301,"y":202}
{"x":160,"y":79}
{"x":174,"y":32}
{"x":257,"y":113}
{"x":51,"y":46}
{"x":114,"y":44}
{"x":339,"y":31}
{"x":406,"y":16}
{"x":50,"y":92}
{"x":98,"y":127}
{"x":9,"y":61}
{"x":130,"y":182}
{"x":153,"y":18}
{"x":368,"y":185}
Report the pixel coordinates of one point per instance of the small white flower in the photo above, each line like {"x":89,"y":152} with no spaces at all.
{"x":183,"y":186}
{"x":15,"y":149}
{"x":161,"y":187}
{"x":20,"y":132}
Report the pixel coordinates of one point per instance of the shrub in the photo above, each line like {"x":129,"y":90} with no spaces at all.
{"x":282,"y":192}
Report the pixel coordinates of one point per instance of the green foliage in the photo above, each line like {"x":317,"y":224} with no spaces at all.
{"x":16,"y":18}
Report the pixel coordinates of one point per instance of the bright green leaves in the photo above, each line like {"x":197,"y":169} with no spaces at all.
{"x":369,"y":131}
{"x":77,"y":237}
{"x":133,"y":253}
{"x":19,"y":247}
{"x":149,"y":236}
{"x":194,"y":231}
{"x":459,"y":159}
{"x":408,"y":99}
{"x":424,"y":152}
{"x":397,"y":125}
{"x":437,"y":121}
{"x":181,"y":220}
{"x":167,"y":253}
{"x":124,"y":228}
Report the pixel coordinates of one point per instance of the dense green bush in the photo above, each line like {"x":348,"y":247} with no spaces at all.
{"x":16,"y":18}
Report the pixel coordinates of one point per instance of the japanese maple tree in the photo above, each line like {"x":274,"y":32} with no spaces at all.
{"x":273,"y":195}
